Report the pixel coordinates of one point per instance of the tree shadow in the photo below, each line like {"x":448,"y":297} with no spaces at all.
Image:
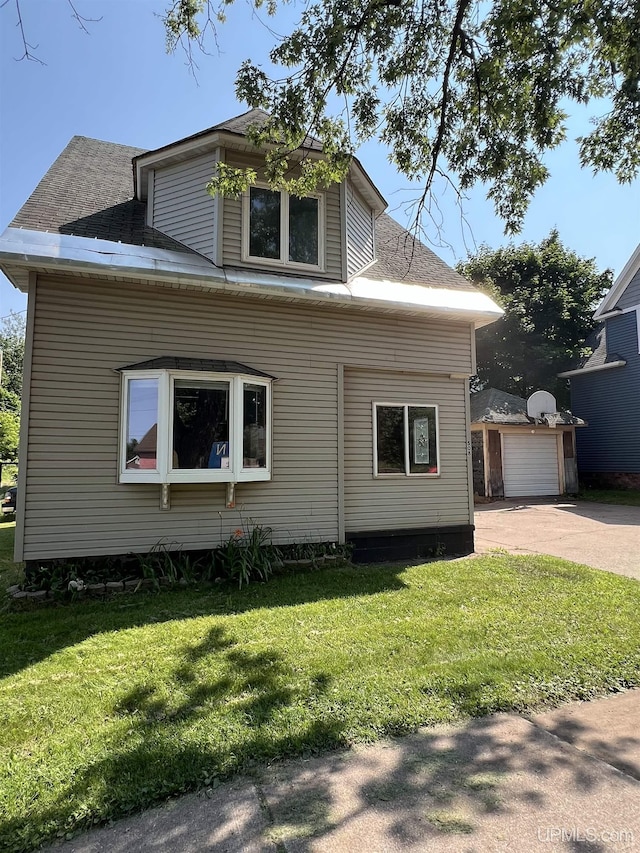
{"x":27,"y":637}
{"x":496,"y":783}
{"x":499,"y":783}
{"x":158,"y":756}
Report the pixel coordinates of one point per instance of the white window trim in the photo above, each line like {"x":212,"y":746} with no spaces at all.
{"x":282,"y":261}
{"x":407,"y":457}
{"x":165,"y":473}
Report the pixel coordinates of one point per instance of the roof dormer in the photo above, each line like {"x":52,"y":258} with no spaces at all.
{"x":328,"y":234}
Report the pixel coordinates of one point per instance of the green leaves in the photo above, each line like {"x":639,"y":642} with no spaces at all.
{"x":549,"y":294}
{"x":477,"y":92}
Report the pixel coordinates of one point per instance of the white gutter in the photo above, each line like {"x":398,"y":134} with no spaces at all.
{"x":596,"y":369}
{"x":29,"y":249}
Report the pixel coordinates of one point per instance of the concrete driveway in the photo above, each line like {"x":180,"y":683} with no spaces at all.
{"x":603,"y":536}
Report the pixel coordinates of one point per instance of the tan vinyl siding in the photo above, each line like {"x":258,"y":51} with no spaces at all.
{"x":84,"y":330}
{"x":360,"y":241}
{"x":397,"y":502}
{"x":182,"y":207}
{"x":232,"y":227}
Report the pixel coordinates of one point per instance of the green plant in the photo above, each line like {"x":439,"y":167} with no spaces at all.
{"x":248,"y":554}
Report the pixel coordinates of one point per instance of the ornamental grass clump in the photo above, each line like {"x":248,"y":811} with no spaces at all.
{"x":248,"y":555}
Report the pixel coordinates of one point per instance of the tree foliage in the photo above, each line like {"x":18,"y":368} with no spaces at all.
{"x":474,"y":92}
{"x":549,"y":295}
{"x":12,"y":346}
{"x":9,"y":436}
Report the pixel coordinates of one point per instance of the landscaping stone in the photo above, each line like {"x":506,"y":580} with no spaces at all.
{"x":19,"y":594}
{"x":115,"y":586}
{"x":96,"y":588}
{"x":132,"y":585}
{"x":37,"y":595}
{"x":13,"y":588}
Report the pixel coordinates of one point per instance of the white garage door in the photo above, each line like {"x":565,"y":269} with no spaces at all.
{"x":530,"y":465}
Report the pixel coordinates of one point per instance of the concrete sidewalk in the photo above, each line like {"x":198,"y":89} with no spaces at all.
{"x":564,"y":780}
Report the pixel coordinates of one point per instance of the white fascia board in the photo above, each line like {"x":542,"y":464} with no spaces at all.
{"x":619,"y":285}
{"x":466,"y":304}
{"x":598,"y":367}
{"x":21,"y":247}
{"x":44,"y":248}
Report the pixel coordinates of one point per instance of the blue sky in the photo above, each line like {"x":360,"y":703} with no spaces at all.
{"x":119,"y":84}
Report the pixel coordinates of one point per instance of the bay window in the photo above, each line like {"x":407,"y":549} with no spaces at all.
{"x":405,"y":440}
{"x":282,"y":229}
{"x":184,"y":426}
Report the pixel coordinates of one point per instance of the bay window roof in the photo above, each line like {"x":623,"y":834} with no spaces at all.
{"x":204,"y":365}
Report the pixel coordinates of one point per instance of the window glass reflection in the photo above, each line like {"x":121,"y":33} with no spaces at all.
{"x":201,"y":425}
{"x":264,"y":223}
{"x":303,"y":230}
{"x":142,"y":424}
{"x":254,"y":423}
{"x":390,"y":439}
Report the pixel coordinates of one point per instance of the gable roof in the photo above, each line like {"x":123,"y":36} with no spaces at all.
{"x":88,"y":192}
{"x":599,"y":358}
{"x":619,"y":285}
{"x":83,"y":215}
{"x":493,"y":406}
{"x":238,"y":125}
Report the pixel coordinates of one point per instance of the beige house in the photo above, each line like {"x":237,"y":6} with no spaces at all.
{"x":193,"y":362}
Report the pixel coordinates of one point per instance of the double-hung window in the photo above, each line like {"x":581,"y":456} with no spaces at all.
{"x":405,"y":440}
{"x":186,"y":426}
{"x":282,"y":229}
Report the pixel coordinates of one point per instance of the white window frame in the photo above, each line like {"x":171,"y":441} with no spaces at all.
{"x":283,"y":260}
{"x":407,"y":452}
{"x":165,"y":472}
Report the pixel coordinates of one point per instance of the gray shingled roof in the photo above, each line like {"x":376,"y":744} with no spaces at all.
{"x":238,"y":124}
{"x":597,"y":342}
{"x":493,"y":406}
{"x":401,"y":256}
{"x":210,"y":365}
{"x":88,"y":192}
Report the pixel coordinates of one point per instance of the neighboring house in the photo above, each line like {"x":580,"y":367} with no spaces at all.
{"x":195,"y":362}
{"x":605,"y":387}
{"x":522,"y":448}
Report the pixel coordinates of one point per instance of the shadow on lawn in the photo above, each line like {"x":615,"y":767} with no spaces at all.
{"x":29,"y":636}
{"x":160,"y":754}
{"x":494,"y":783}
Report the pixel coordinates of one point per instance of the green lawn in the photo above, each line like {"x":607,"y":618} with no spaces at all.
{"x":10,"y":572}
{"x":625,"y":497}
{"x":108,"y":707}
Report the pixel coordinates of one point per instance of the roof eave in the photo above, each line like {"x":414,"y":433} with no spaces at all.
{"x":619,"y":285}
{"x":580,"y":371}
{"x":24,"y":249}
{"x":213,"y":139}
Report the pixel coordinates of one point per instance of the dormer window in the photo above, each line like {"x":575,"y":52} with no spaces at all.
{"x":282,"y":229}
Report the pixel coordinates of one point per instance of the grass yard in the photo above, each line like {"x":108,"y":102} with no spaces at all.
{"x":10,"y":572}
{"x":108,"y":707}
{"x":624,"y":497}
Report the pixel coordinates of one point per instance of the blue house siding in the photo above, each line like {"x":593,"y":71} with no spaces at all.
{"x":631,"y":295}
{"x":610,"y":402}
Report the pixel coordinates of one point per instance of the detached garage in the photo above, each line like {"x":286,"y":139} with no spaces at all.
{"x":522,"y":448}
